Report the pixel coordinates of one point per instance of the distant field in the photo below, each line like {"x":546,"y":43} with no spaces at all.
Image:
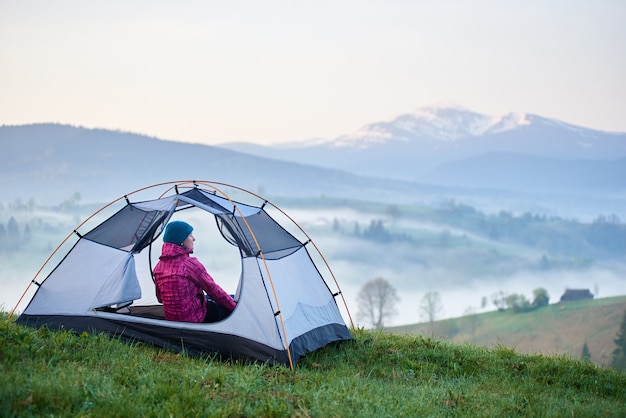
{"x":560,"y":328}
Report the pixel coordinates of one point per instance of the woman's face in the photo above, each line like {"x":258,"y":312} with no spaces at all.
{"x":188,"y":242}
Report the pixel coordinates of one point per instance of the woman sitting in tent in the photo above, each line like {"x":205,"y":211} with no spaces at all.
{"x":181,"y":281}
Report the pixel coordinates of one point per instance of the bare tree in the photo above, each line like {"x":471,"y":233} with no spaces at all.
{"x":377,"y":301}
{"x":431,"y":306}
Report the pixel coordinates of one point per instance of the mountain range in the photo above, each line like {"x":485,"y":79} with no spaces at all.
{"x":50,"y":162}
{"x":453,"y":146}
{"x":435,"y":153}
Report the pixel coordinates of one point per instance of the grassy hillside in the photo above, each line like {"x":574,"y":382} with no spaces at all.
{"x":46,"y":373}
{"x":560,"y":328}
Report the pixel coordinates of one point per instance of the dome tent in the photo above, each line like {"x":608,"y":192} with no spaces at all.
{"x":285,"y":308}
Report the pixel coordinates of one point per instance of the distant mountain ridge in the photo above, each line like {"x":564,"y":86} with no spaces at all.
{"x":429,"y":155}
{"x":50,"y":162}
{"x":526,"y":173}
{"x":58,"y":160}
{"x":424,"y":145}
{"x":454,"y":127}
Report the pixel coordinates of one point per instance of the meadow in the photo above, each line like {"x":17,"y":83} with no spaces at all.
{"x":558,"y":329}
{"x":59,"y":373}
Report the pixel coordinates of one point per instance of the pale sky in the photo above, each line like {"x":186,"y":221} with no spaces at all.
{"x":272,"y":71}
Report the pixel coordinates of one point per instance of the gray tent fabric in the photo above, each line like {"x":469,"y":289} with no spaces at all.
{"x":285,"y":308}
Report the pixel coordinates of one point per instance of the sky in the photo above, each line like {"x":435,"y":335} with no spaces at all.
{"x":212,"y":72}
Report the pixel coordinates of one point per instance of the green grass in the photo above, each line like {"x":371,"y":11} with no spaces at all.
{"x":58,"y":373}
{"x":560,"y":328}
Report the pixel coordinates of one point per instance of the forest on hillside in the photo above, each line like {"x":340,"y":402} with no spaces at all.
{"x":603,"y":238}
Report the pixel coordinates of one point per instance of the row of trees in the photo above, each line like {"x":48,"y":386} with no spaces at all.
{"x":375,"y":231}
{"x":552,"y":234}
{"x":606,"y":235}
{"x":12,"y":237}
{"x":14,"y":234}
{"x":519,"y":303}
{"x":19,"y":206}
{"x":377,"y":301}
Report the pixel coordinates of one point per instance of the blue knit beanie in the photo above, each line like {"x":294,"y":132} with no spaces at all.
{"x":176,"y":232}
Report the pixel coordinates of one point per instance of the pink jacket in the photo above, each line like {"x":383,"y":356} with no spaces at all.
{"x":180,"y":280}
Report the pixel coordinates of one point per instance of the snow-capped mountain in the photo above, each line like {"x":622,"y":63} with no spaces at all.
{"x":447,"y":124}
{"x":424,"y":146}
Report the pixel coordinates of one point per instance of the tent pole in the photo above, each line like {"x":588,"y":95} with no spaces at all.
{"x":211,"y":184}
{"x":267,"y":269}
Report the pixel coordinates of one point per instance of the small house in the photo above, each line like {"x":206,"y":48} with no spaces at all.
{"x":576,"y":294}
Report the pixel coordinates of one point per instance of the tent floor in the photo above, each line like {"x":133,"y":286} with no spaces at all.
{"x":152,"y":311}
{"x":146,"y":311}
{"x":143,"y":311}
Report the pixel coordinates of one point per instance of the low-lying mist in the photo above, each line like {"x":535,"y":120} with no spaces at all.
{"x":463,"y":267}
{"x":458,"y":299}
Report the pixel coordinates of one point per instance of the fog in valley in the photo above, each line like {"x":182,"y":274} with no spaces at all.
{"x":415,"y":271}
{"x":466,"y":268}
